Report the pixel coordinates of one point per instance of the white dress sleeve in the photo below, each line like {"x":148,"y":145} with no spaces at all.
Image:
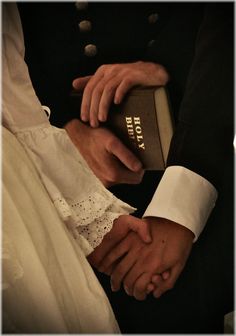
{"x":85,"y":205}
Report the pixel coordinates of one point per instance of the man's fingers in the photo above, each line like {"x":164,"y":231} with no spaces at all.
{"x":122,"y":269}
{"x":123,"y":88}
{"x":98,"y":255}
{"x":141,"y":286}
{"x":141,"y":227}
{"x":80,"y":83}
{"x":169,"y":283}
{"x":107,"y":98}
{"x":116,"y":253}
{"x":101,"y":99}
{"x":87,"y":96}
{"x":118,"y":149}
{"x":156,"y":278}
{"x":95,"y":102}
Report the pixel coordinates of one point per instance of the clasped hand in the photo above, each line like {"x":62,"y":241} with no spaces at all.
{"x":142,"y":265}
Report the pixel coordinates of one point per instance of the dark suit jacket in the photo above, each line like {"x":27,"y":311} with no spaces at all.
{"x":125,"y":32}
{"x":194,"y":41}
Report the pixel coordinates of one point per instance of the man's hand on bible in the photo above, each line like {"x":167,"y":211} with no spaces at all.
{"x":105,"y":154}
{"x":111,"y":82}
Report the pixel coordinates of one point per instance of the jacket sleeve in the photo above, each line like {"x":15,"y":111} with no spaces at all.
{"x":203,"y":138}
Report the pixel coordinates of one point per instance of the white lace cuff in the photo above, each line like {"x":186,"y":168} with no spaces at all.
{"x":91,"y":219}
{"x":87,"y":208}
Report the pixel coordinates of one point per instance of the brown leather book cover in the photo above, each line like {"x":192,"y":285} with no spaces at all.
{"x":143,"y":121}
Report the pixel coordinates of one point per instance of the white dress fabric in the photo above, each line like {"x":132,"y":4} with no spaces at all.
{"x":48,"y":285}
{"x":55,"y":212}
{"x":78,"y":195}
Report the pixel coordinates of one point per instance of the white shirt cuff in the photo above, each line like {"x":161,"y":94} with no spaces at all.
{"x":184,"y":197}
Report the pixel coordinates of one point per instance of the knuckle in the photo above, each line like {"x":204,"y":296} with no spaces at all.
{"x":163,"y":75}
{"x":139,"y":288}
{"x":102,"y":68}
{"x":112,"y":144}
{"x":128,"y":80}
{"x":100,"y":88}
{"x":88,"y":88}
{"x":159,"y":267}
{"x":105,"y":264}
{"x":139,"y":63}
{"x":109,"y":87}
{"x":112,"y":176}
{"x":114,"y":68}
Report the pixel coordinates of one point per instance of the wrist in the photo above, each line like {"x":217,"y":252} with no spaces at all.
{"x":155,"y":222}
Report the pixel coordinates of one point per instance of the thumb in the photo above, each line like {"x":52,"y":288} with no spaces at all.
{"x":80,"y":83}
{"x":141,"y":228}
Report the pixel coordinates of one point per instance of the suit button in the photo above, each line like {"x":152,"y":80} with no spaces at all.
{"x":151,"y":43}
{"x":81,"y":5}
{"x":85,"y":26}
{"x":153,"y":18}
{"x":90,"y":50}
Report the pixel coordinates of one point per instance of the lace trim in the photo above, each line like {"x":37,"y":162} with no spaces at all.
{"x":95,"y":210}
{"x":95,"y":231}
{"x":85,"y":211}
{"x":91,"y":219}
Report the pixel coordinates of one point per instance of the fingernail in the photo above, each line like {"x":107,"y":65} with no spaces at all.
{"x":165,"y":275}
{"x":113,"y":288}
{"x":150,"y":288}
{"x":94,"y":123}
{"x":148,"y":239}
{"x":126,"y":290}
{"x":137,"y":166}
{"x":84,"y":118}
{"x":116,"y":100}
{"x":102,"y":118}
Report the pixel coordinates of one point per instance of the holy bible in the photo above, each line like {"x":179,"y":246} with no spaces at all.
{"x":144,"y":123}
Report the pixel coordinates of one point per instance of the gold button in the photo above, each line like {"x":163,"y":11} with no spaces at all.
{"x":85,"y":26}
{"x":153,"y":18}
{"x":90,"y":50}
{"x":81,"y":5}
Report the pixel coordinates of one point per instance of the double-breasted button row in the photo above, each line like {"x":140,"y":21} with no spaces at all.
{"x":152,"y":19}
{"x":85,"y":26}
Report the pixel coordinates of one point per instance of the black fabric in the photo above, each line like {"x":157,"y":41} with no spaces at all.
{"x":194,"y":41}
